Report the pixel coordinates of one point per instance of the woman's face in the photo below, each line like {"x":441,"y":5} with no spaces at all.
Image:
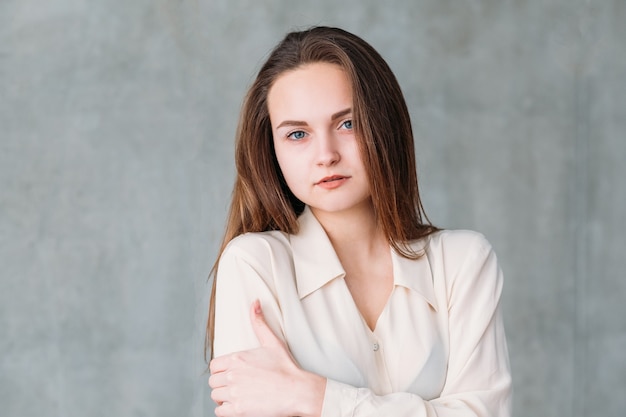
{"x":310,"y":111}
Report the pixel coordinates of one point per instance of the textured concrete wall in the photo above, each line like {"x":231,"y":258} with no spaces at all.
{"x":116,"y":127}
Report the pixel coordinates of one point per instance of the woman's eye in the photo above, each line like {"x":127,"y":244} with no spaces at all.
{"x":297,"y":135}
{"x":347,"y":124}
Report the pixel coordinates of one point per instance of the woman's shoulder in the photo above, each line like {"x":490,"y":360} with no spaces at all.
{"x":459,"y":240}
{"x":258,"y":246}
{"x":461,"y":253}
{"x":455,"y":249}
{"x":250,"y":256}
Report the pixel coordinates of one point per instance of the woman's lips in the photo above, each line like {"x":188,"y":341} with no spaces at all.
{"x":332,"y":182}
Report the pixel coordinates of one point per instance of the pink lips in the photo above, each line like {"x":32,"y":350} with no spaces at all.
{"x":332,"y":182}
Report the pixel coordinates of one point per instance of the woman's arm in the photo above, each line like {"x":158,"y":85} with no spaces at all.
{"x":253,"y":373}
{"x":265,"y":381}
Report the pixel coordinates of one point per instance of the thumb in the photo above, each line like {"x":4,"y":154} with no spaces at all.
{"x":264,"y":334}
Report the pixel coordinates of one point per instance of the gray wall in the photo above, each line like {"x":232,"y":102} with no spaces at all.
{"x":116,"y":127}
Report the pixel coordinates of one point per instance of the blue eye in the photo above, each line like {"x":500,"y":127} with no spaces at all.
{"x":297,"y":135}
{"x":347,"y":124}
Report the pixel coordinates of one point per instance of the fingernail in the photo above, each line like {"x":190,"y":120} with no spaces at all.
{"x":257,"y":307}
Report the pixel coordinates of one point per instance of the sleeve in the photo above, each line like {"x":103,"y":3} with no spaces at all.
{"x":243,"y":275}
{"x":478,"y":382}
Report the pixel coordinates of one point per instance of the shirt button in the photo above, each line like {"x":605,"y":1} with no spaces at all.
{"x":375,"y":347}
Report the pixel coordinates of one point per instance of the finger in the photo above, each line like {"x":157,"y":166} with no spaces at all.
{"x":218,"y":380}
{"x":264,"y":334}
{"x":219,"y":395}
{"x":224,"y":410}
{"x":219,"y":364}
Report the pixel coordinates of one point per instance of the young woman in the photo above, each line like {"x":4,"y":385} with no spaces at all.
{"x":334,"y":296}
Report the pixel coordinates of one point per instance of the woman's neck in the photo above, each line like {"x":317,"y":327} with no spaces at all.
{"x":354,"y":232}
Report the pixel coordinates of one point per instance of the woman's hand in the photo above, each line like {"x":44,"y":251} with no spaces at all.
{"x":264,"y":382}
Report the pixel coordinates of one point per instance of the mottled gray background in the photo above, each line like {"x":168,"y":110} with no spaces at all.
{"x":116,"y":137}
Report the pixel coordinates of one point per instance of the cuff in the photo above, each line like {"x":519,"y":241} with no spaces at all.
{"x":339,"y":399}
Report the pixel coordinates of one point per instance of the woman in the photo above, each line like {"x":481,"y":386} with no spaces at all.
{"x":333,"y":294}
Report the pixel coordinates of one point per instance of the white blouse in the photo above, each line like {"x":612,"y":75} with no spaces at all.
{"x":438,"y":348}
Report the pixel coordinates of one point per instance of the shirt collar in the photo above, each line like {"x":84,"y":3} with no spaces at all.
{"x":316,"y":262}
{"x":415,"y":274}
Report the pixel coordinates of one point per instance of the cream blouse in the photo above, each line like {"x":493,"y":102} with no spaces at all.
{"x":438,"y":348}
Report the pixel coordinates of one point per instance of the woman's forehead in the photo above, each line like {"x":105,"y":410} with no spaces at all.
{"x":314,"y":90}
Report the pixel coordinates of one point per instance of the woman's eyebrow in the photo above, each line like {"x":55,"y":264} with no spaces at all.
{"x":291,"y":123}
{"x":341,"y":113}
{"x":334,"y":117}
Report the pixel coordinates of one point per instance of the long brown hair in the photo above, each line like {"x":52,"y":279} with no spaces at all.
{"x":262,"y":201}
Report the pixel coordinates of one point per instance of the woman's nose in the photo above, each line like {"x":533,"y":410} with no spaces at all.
{"x":328,"y":151}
